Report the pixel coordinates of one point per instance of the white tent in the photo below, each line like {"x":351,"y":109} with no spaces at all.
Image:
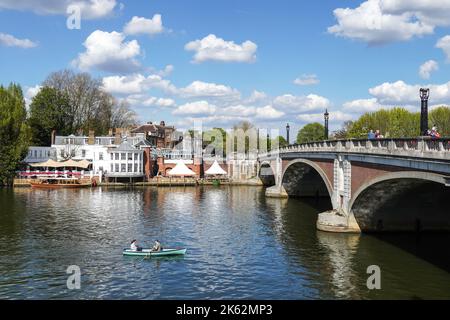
{"x":181,"y":170}
{"x":215,"y":170}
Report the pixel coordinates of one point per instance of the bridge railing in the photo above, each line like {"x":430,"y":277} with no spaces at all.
{"x":419,"y":147}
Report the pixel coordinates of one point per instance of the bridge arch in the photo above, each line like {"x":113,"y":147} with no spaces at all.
{"x":304,"y":178}
{"x":267,"y":173}
{"x":402,"y":201}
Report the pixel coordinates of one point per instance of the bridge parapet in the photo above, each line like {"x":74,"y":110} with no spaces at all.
{"x":438,"y":149}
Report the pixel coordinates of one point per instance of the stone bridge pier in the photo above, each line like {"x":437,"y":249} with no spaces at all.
{"x":372,"y":186}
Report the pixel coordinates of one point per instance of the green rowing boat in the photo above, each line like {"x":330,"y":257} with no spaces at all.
{"x":150,"y":253}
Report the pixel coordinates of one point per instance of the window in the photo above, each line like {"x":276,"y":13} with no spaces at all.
{"x":83,"y":153}
{"x":117,"y":156}
{"x":117,"y":167}
{"x":35,"y":153}
{"x":112,"y":156}
{"x":136,"y":156}
{"x":130,"y":156}
{"x":123,"y":156}
{"x":123,"y":167}
{"x":136,"y":167}
{"x":100,"y":156}
{"x":112,"y":167}
{"x":130,"y":167}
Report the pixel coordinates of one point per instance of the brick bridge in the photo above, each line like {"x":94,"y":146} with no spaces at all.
{"x":372,"y":185}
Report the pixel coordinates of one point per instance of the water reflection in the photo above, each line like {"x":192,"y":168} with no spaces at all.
{"x":241,"y":245}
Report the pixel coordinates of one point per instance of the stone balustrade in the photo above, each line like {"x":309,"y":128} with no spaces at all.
{"x":438,"y":149}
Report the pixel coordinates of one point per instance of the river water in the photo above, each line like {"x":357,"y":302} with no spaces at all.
{"x":240,"y":246}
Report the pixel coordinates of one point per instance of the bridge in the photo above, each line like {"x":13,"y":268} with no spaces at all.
{"x":372,"y":185}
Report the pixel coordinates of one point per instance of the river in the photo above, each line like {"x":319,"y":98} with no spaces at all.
{"x":241,"y":245}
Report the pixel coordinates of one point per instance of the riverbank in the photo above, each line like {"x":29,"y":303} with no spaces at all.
{"x":166,"y":182}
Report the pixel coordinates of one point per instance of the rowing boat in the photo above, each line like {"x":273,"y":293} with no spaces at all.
{"x":150,"y":253}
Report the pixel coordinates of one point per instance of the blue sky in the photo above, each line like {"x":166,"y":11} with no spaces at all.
{"x":354,"y":56}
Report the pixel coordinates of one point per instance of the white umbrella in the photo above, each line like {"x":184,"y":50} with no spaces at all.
{"x":216,"y":170}
{"x":181,"y":170}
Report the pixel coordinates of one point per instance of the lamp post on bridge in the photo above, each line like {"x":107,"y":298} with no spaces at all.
{"x":424,"y":95}
{"x":326,"y":116}
{"x":288,"y":128}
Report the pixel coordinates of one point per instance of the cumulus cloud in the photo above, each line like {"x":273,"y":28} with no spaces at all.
{"x":139,"y":25}
{"x":427,"y":68}
{"x":301,"y":104}
{"x":143,"y":100}
{"x":383,"y":21}
{"x":196,"y":108}
{"x":30,"y":93}
{"x":212,"y":48}
{"x":401,"y":93}
{"x":444,"y":44}
{"x":90,"y":9}
{"x":306,"y":80}
{"x":136,"y":84}
{"x":108,"y":51}
{"x":200,"y":89}
{"x":11,"y":41}
{"x":268,"y":113}
{"x":362,"y":105}
{"x":335,"y":117}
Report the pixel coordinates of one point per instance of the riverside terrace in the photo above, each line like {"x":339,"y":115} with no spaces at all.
{"x":373,"y":185}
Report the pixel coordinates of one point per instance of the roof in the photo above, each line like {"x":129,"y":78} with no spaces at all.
{"x":125,"y":146}
{"x":215,"y":169}
{"x":181,"y":170}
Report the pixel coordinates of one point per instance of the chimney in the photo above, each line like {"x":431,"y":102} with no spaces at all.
{"x":110,"y":132}
{"x":118,"y":137}
{"x":91,"y":140}
{"x":53,"y":137}
{"x":162,"y":124}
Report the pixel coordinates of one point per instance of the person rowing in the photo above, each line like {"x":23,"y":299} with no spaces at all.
{"x":157,"y":246}
{"x":134,"y":246}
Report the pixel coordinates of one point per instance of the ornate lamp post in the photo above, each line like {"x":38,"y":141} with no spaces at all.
{"x":424,"y":95}
{"x":288,"y":128}
{"x":326,"y":116}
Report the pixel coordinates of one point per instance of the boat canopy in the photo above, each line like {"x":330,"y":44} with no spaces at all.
{"x":83,"y":164}
{"x":181,"y":170}
{"x":215,"y":170}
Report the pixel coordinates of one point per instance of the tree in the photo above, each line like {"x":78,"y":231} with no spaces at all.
{"x":279,"y":142}
{"x":49,"y":110}
{"x":441,"y":118}
{"x":343,"y":133}
{"x":14,"y":132}
{"x":393,"y":123}
{"x":311,"y":132}
{"x":215,"y":141}
{"x":90,"y":106}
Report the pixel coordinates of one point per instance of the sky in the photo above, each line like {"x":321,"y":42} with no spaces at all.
{"x":221,"y":62}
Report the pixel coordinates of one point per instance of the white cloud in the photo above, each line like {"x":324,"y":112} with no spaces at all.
{"x":256,"y":96}
{"x":139,"y":100}
{"x":11,"y":41}
{"x":362,"y":105}
{"x":200,"y":89}
{"x":196,"y":108}
{"x":306,"y":80}
{"x":444,"y":44}
{"x":217,"y":49}
{"x":427,"y":68}
{"x":139,"y":25}
{"x":383,"y":21}
{"x":301,"y":104}
{"x":108,"y":51}
{"x":30,"y":93}
{"x":167,"y":71}
{"x":268,"y":113}
{"x":137,"y":83}
{"x":335,"y":116}
{"x":90,"y":9}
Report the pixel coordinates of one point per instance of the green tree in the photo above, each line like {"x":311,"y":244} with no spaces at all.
{"x":441,"y":118}
{"x":311,"y":132}
{"x":216,"y":141}
{"x":14,"y":132}
{"x":49,"y":110}
{"x":279,"y":141}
